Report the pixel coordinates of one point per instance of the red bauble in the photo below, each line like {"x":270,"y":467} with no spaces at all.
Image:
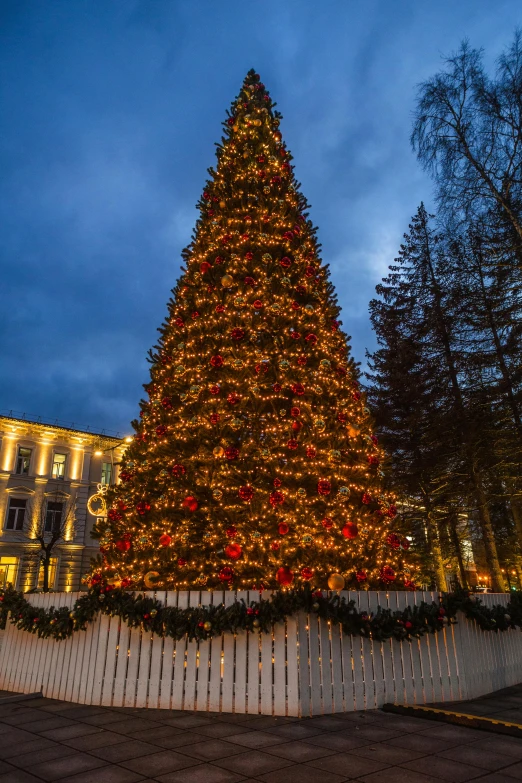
{"x":277,"y":483}
{"x":324,"y":487}
{"x":204,"y":267}
{"x":297,"y":425}
{"x":167,"y":403}
{"x":302,"y":361}
{"x":361,"y":575}
{"x":292,"y":444}
{"x":220,"y":308}
{"x":283,"y":528}
{"x":366,"y":498}
{"x":310,"y":271}
{"x":114,"y":515}
{"x":142,"y":507}
{"x":126,"y":582}
{"x":165,"y":539}
{"x":190,"y":503}
{"x":306,"y":573}
{"x":393,"y":540}
{"x":295,"y":411}
{"x":356,"y":395}
{"x":178,"y":470}
{"x":311,"y":453}
{"x":327,"y":523}
{"x":350,"y":530}
{"x":218,"y":260}
{"x":335,"y":325}
{"x":214,"y":418}
{"x":161,"y":430}
{"x":233,"y":551}
{"x":233,"y":398}
{"x":231,"y":532}
{"x":296,"y":306}
{"x":226,"y":574}
{"x":387,"y":574}
{"x":250,"y":281}
{"x":275,"y":546}
{"x":123,"y":545}
{"x":311,"y":338}
{"x":285,"y":576}
{"x":182,"y":562}
{"x":373,"y":460}
{"x":342,"y":417}
{"x":277,"y":387}
{"x":286,"y":262}
{"x":258,"y":304}
{"x":295,"y":335}
{"x":405,"y":543}
{"x":217,"y":361}
{"x":392,"y":512}
{"x":231,"y":452}
{"x":214,"y":389}
{"x":246,"y":492}
{"x":276,"y":498}
{"x":237,"y":333}
{"x":249,"y":255}
{"x":298,"y":389}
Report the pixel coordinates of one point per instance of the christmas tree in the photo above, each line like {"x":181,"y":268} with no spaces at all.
{"x":254,"y":462}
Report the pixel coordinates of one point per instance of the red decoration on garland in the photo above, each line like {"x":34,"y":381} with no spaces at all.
{"x":165,"y":539}
{"x":285,"y":576}
{"x":277,"y":483}
{"x":275,"y":546}
{"x":190,"y":503}
{"x":350,"y":530}
{"x":302,"y":361}
{"x":214,"y":418}
{"x":233,"y":551}
{"x":246,"y":493}
{"x":366,"y":499}
{"x":324,"y":487}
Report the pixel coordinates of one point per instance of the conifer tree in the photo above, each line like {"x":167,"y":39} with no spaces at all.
{"x":254,"y":460}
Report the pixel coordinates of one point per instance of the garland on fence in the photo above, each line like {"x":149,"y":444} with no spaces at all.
{"x":203,"y":622}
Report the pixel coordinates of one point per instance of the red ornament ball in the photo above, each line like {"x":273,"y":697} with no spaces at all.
{"x":327,"y":523}
{"x":237,"y":333}
{"x":231,"y":452}
{"x":231,"y":531}
{"x":217,"y":361}
{"x":165,"y":539}
{"x":246,"y":492}
{"x":311,"y":338}
{"x":392,"y":512}
{"x":277,"y":483}
{"x":302,"y":361}
{"x":276,"y":498}
{"x":285,"y":576}
{"x":182,"y":562}
{"x":393,"y":540}
{"x":123,"y":545}
{"x":142,"y":507}
{"x":226,"y":574}
{"x":297,"y":426}
{"x":178,"y":470}
{"x":405,"y":543}
{"x":324,"y":487}
{"x":161,"y":430}
{"x":292,"y":444}
{"x":361,"y":575}
{"x":298,"y":389}
{"x":204,"y":267}
{"x":258,"y":304}
{"x":167,"y":403}
{"x":306,"y":573}
{"x":214,"y":418}
{"x":233,"y":551}
{"x":350,"y":530}
{"x":190,"y":503}
{"x":295,"y":411}
{"x":233,"y":398}
{"x":214,"y":389}
{"x":283,"y":528}
{"x":277,"y":388}
{"x":311,"y":453}
{"x":387,"y":574}
{"x":275,"y":546}
{"x":286,"y":262}
{"x":366,"y":499}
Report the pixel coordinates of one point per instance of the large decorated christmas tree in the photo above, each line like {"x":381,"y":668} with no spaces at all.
{"x":254,"y":462}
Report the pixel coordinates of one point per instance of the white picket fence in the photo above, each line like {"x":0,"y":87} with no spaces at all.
{"x":304,"y":667}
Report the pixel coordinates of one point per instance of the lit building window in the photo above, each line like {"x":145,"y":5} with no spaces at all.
{"x":8,"y":569}
{"x":23,"y":460}
{"x":16,"y":514}
{"x":53,"y":565}
{"x":106,"y":474}
{"x":58,"y":471}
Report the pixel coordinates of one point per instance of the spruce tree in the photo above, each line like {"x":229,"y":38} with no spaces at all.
{"x":254,"y":461}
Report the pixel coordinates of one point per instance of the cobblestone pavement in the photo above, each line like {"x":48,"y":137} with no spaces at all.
{"x":46,"y":740}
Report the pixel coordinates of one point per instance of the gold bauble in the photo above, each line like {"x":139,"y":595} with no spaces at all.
{"x":218,"y":451}
{"x":207,"y":626}
{"x":114,"y":581}
{"x":150,"y":579}
{"x":226,"y":281}
{"x":222,"y":204}
{"x":336,"y":582}
{"x":352,"y":431}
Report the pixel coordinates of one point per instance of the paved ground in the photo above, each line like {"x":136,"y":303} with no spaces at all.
{"x":45,"y":740}
{"x":504,"y":705}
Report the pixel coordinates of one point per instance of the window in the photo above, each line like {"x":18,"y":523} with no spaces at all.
{"x":106,"y":473}
{"x":53,"y":516}
{"x":16,"y":514}
{"x":23,"y":460}
{"x":8,"y":569}
{"x":58,"y":471}
{"x":53,"y":563}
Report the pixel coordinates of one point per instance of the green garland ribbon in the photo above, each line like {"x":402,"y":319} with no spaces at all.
{"x":204,"y":622}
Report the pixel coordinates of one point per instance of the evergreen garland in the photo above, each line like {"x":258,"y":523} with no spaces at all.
{"x":204,"y":622}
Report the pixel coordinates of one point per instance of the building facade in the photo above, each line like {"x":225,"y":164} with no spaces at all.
{"x":47,"y":475}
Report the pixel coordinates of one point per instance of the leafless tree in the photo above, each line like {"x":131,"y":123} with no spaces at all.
{"x":50,"y":522}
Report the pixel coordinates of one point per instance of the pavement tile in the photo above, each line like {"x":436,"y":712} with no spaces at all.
{"x":446,"y":769}
{"x":179,"y":740}
{"x":69,"y":732}
{"x":347,"y":765}
{"x":99,"y":740}
{"x":19,"y":717}
{"x":485,"y":758}
{"x":514,"y":771}
{"x":26,"y":747}
{"x":36,"y":756}
{"x":340,"y":741}
{"x":159,"y":763}
{"x":401,"y":722}
{"x":256,"y":739}
{"x":65,"y":767}
{"x":12,"y":736}
{"x":399,"y":775}
{"x":420,"y":742}
{"x":294,"y":731}
{"x":122,"y":751}
{"x":496,"y":777}
{"x":299,"y":752}
{"x":377,"y":733}
{"x":460,"y":734}
{"x":268,"y":722}
{"x":188,"y":722}
{"x":300,"y":773}
{"x":149,"y":735}
{"x":5,"y":767}
{"x":220,"y":729}
{"x":131,"y":725}
{"x":19,"y":776}
{"x":112,"y":774}
{"x":46,"y":724}
{"x":387,"y":753}
{"x":511,"y":747}
{"x":326,"y":723}
{"x":203,"y":773}
{"x":255,"y":763}
{"x":104,"y":718}
{"x":79,"y":711}
{"x":211,"y":749}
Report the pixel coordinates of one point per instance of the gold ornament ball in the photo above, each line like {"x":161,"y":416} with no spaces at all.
{"x":222,"y":204}
{"x":207,"y":626}
{"x":218,"y":451}
{"x":150,"y":579}
{"x":336,"y":582}
{"x":226,"y":281}
{"x":256,"y":623}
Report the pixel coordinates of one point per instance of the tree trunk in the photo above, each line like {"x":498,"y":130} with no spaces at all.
{"x":439,"y":572}
{"x":497,"y":580}
{"x":455,"y":540}
{"x":45,"y":571}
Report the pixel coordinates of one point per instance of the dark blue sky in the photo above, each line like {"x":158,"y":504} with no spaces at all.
{"x":109,"y":113}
